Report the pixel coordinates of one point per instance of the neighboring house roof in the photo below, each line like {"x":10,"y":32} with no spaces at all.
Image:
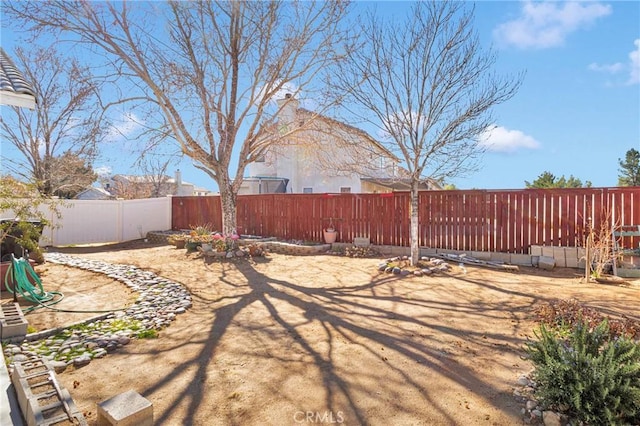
{"x":14,"y":88}
{"x":142,"y":178}
{"x":94,"y":193}
{"x":167,"y":185}
{"x":404,"y":184}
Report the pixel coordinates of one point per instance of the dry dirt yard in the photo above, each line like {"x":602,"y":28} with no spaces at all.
{"x":324,"y":339}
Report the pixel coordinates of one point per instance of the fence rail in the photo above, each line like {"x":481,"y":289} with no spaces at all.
{"x":479,"y":220}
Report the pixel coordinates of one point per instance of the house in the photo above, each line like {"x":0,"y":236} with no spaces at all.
{"x":95,"y":193}
{"x":151,"y":186}
{"x":14,"y":89}
{"x":318,"y":154}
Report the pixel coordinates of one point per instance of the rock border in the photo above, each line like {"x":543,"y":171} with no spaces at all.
{"x":160,"y":300}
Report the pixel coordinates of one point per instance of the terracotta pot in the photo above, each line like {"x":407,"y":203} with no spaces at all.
{"x":330,"y":236}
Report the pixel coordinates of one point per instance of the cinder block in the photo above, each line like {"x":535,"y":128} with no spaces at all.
{"x":447,"y":251}
{"x":500,"y":257}
{"x":12,"y":323}
{"x":126,"y":409}
{"x":481,"y":255}
{"x":400,"y":251}
{"x":521,"y":259}
{"x":571,"y":257}
{"x":559,"y":256}
{"x":49,"y":409}
{"x":361,"y":242}
{"x":546,"y":262}
{"x":40,"y":396}
{"x":23,"y":378}
{"x":535,"y":250}
{"x":572,"y":262}
{"x":547,"y":251}
{"x":570,"y":252}
{"x":22,"y":370}
{"x":32,"y":387}
{"x":427,"y":251}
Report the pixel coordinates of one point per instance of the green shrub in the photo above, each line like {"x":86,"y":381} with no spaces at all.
{"x":589,"y":375}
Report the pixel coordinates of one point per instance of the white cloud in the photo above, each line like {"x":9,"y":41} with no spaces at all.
{"x":102,"y":171}
{"x":608,"y":68}
{"x":546,"y":24}
{"x":501,"y":139}
{"x":633,"y":66}
{"x":634,"y":57}
{"x":124,"y":126}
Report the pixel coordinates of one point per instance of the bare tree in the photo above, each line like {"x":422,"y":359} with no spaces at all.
{"x":58,"y":140}
{"x":427,"y":84}
{"x":212,"y":69}
{"x":156,"y":168}
{"x":68,"y":174}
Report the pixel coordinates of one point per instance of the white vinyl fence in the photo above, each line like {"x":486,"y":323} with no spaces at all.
{"x":105,"y":221}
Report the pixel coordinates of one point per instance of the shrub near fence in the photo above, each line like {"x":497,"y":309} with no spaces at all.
{"x":479,"y":220}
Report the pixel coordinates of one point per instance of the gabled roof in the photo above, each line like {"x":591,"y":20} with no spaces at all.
{"x":14,"y":88}
{"x":97,"y":191}
{"x":346,"y":127}
{"x":404,"y":184}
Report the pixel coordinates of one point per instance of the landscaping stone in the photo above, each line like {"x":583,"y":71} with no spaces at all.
{"x":159,"y":301}
{"x":81,"y":361}
{"x":551,"y":418}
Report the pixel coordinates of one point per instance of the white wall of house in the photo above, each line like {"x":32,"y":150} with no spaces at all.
{"x":307,"y":164}
{"x":103,"y":221}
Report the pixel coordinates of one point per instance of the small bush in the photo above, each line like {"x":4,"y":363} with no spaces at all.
{"x":590,"y":375}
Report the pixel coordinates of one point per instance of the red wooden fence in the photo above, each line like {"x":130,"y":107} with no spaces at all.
{"x":479,"y":220}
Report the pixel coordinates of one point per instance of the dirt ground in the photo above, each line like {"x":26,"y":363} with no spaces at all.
{"x":322,"y":339}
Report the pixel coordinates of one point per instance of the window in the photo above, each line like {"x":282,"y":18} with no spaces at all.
{"x":345,"y":189}
{"x":307,"y":190}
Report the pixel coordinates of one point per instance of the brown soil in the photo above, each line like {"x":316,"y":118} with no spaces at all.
{"x":296,"y":340}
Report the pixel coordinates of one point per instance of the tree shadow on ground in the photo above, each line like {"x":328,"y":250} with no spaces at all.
{"x":368,"y":317}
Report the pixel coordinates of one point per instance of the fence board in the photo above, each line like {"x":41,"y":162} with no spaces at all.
{"x":479,"y":220}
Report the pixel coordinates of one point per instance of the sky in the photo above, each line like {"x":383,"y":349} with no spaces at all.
{"x":578,"y":109}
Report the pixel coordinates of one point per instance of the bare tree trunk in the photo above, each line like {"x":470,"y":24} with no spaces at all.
{"x":415,"y":248}
{"x":229,"y":200}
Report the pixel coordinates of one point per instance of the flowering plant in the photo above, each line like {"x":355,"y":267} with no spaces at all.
{"x":225,"y":243}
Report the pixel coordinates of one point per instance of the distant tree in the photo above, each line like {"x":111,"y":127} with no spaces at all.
{"x":58,"y":141}
{"x":630,"y":169}
{"x":549,"y":180}
{"x":428,"y":85}
{"x":450,"y":186}
{"x":69,"y":174}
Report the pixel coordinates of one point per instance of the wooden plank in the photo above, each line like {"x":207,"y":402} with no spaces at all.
{"x":469,"y":220}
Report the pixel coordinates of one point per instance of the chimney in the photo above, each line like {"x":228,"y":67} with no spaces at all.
{"x":178,"y":182}
{"x":287,"y":110}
